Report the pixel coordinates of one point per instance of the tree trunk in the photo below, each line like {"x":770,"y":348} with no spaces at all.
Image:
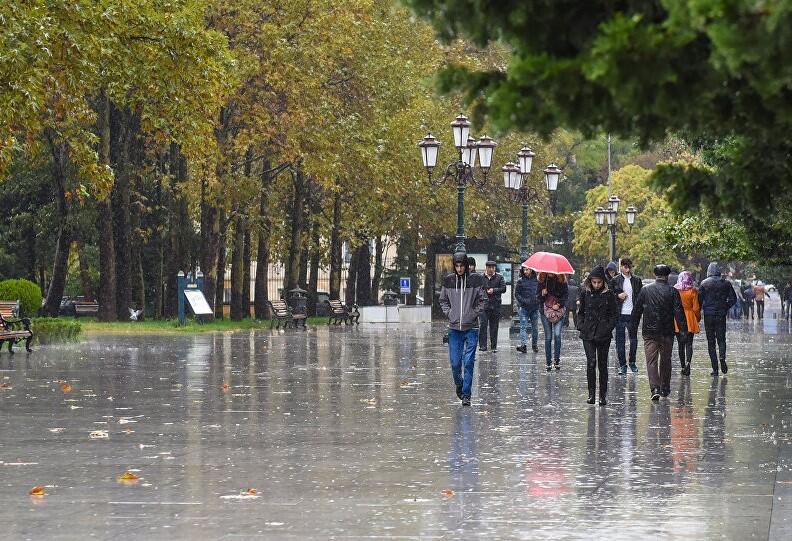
{"x":107,"y":277}
{"x":210,"y":258}
{"x":316,"y":251}
{"x":179,"y":226}
{"x":137,"y":282}
{"x":260,"y":294}
{"x":219,"y":303}
{"x":379,"y":267}
{"x":351,"y":297}
{"x":121,"y":134}
{"x":335,"y":250}
{"x":85,"y":275}
{"x":237,"y":270}
{"x":60,"y":266}
{"x":246,"y":258}
{"x":292,"y":277}
{"x":363,"y":273}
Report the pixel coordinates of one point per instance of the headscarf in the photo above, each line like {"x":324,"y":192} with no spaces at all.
{"x":685,"y":281}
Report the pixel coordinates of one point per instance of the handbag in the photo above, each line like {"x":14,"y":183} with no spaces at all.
{"x":552,"y":315}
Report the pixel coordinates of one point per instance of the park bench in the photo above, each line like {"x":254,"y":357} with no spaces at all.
{"x":12,"y":328}
{"x":85,"y":308}
{"x":339,"y":312}
{"x":282,"y":314}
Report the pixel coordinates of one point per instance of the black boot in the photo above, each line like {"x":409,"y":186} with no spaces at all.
{"x":590,"y":398}
{"x":723,"y":366}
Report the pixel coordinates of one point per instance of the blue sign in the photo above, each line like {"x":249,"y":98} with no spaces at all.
{"x":404,"y":286}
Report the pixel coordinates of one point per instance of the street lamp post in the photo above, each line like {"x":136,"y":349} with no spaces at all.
{"x":460,"y":172}
{"x":515,"y":178}
{"x":610,"y":215}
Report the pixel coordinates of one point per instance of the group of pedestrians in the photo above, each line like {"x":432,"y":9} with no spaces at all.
{"x":610,"y":298}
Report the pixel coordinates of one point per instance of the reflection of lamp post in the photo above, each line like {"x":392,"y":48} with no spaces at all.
{"x":460,"y":172}
{"x":610,"y":215}
{"x":516,"y":181}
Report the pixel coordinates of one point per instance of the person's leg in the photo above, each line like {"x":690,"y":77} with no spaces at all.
{"x":652,"y":350}
{"x":621,"y":328}
{"x":557,"y":328}
{"x":751,"y":308}
{"x":494,"y":323}
{"x":483,"y":324}
{"x":721,"y":337}
{"x":631,"y":359}
{"x":689,"y":350}
{"x":681,"y":348}
{"x":534,"y":319}
{"x":602,"y":364}
{"x":456,"y":343}
{"x":710,"y":324}
{"x":759,"y":309}
{"x":547,"y":327}
{"x":470,"y":362}
{"x":666,"y":349}
{"x":591,"y":368}
{"x":524,"y":327}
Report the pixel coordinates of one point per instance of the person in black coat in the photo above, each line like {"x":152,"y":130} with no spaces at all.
{"x":494,"y":286}
{"x":659,"y":304}
{"x":597,"y":316}
{"x":717,"y":296}
{"x":525,"y":293}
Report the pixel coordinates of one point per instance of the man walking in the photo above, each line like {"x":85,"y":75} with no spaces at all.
{"x":717,"y":296}
{"x":748,"y":301}
{"x":525,"y":293}
{"x":659,"y":304}
{"x":494,"y":286}
{"x":626,"y":287}
{"x":759,"y":294}
{"x":786,"y":301}
{"x":462,"y":300}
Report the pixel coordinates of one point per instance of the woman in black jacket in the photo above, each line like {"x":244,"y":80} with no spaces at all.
{"x":597,"y":314}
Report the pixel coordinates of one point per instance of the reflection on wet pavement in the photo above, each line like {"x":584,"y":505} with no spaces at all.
{"x":356,"y":433}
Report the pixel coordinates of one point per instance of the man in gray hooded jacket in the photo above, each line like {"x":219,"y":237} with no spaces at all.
{"x":717,"y":296}
{"x":462,"y":300}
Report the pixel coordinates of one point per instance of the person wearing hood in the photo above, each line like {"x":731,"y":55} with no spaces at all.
{"x":690,"y":303}
{"x":748,"y":301}
{"x":716,"y":296}
{"x":597,"y":314}
{"x":611,"y":270}
{"x":525,"y":293}
{"x":759,"y":294}
{"x":660,"y":306}
{"x":462,"y":300}
{"x":552,"y":294}
{"x":494,"y":286}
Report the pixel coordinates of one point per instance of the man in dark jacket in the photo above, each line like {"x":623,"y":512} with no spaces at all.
{"x":572,"y":303}
{"x":611,"y":270}
{"x":659,"y":304}
{"x":748,"y":301}
{"x":626,"y":286}
{"x":717,"y":296}
{"x":462,"y":300}
{"x":525,"y":293}
{"x":494,"y":286}
{"x":786,"y":300}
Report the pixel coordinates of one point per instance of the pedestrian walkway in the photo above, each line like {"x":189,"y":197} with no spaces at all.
{"x":355,"y":434}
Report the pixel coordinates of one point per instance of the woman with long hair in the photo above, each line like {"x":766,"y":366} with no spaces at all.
{"x":597,"y":315}
{"x":552,"y":293}
{"x":690,"y":302}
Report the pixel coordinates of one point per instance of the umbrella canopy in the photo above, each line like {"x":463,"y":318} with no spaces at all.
{"x":549,"y":262}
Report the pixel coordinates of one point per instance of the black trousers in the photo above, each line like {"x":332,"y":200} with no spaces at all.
{"x":685,"y":348}
{"x":748,"y":309}
{"x":760,"y":309}
{"x":715,"y":326}
{"x":489,"y":319}
{"x":597,"y":358}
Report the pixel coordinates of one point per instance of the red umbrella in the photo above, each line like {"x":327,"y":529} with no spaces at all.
{"x":549,"y":262}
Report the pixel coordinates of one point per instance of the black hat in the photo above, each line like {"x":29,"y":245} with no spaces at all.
{"x":662,"y":270}
{"x":491,"y":263}
{"x":597,"y":272}
{"x":459,"y":257}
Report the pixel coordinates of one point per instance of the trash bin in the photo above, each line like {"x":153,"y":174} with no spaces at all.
{"x":390,"y":298}
{"x":298,"y":301}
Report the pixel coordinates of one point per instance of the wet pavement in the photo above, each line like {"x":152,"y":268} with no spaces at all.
{"x":350,"y":433}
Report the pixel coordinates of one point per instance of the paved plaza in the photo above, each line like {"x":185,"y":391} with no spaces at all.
{"x":355,"y":433}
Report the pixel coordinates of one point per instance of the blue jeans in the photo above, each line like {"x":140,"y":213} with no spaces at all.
{"x":462,"y":351}
{"x":622,"y":325}
{"x":551,"y":331}
{"x":529,"y":319}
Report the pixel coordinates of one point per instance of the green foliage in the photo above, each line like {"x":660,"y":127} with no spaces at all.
{"x":26,"y":292}
{"x":715,"y":239}
{"x":49,"y":330}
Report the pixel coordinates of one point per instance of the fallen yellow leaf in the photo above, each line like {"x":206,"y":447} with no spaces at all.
{"x":448,"y":493}
{"x":128,"y":476}
{"x":65,"y":387}
{"x":252,"y":491}
{"x":37,"y":491}
{"x":226,"y":387}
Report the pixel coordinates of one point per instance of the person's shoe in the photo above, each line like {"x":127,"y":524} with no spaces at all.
{"x":466,"y":401}
{"x":714,"y":373}
{"x":723,"y":367}
{"x":558,"y":365}
{"x":459,"y":392}
{"x":686,"y":370}
{"x":634,"y":368}
{"x":590,"y":399}
{"x":622,"y":370}
{"x":665,"y":392}
{"x":483,"y":348}
{"x":603,"y":402}
{"x":445,"y":338}
{"x":549,"y":367}
{"x":655,"y":394}
{"x":522,"y":349}
{"x":534,"y":347}
{"x":494,"y":349}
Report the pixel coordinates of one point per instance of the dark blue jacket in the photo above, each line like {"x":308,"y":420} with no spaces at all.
{"x":716,"y":294}
{"x":525,"y":293}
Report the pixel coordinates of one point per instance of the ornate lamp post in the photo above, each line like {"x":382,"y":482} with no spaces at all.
{"x":609,"y":217}
{"x":460,"y":172}
{"x":515,"y":178}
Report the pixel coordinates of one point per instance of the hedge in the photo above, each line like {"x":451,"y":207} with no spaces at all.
{"x":48,"y":330}
{"x":26,"y":292}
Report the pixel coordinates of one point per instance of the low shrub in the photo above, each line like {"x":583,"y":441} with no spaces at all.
{"x":26,"y":292}
{"x":48,"y":330}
